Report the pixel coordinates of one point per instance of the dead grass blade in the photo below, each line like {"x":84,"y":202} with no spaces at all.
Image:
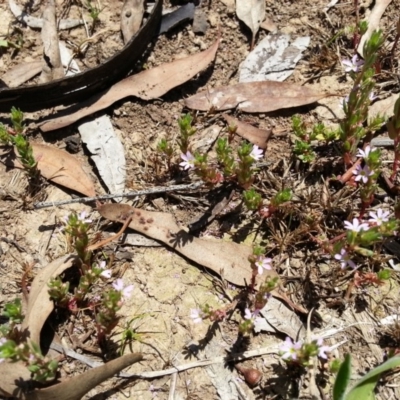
{"x":263,"y":96}
{"x":147,"y":85}
{"x":60,"y":167}
{"x":254,"y":135}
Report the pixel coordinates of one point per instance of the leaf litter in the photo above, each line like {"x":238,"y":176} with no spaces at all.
{"x":255,"y":97}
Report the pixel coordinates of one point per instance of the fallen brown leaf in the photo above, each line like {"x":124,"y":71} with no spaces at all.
{"x":21,"y":73}
{"x":60,"y":167}
{"x":254,"y":135}
{"x":263,"y":96}
{"x":228,"y":259}
{"x":149,"y":84}
{"x":39,"y":304}
{"x":77,"y":386}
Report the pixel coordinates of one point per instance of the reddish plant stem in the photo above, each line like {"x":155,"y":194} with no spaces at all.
{"x":396,"y":160}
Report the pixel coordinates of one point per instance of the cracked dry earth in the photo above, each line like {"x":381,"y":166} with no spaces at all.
{"x":167,"y":285}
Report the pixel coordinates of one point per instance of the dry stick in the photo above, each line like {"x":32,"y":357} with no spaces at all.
{"x":154,"y":190}
{"x":274,"y":349}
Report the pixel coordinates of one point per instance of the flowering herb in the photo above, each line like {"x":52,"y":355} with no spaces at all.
{"x":353,"y":65}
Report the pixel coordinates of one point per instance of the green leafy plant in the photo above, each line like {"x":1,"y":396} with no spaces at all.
{"x":364,"y":388}
{"x":17,"y":138}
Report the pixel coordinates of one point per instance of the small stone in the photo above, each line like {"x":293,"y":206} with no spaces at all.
{"x":200,"y":24}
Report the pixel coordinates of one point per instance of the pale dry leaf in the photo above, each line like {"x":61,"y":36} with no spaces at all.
{"x":39,"y":304}
{"x":252,"y":13}
{"x":228,"y":259}
{"x":77,"y":386}
{"x":373,"y":22}
{"x":15,"y":380}
{"x":52,"y":68}
{"x":131,"y":18}
{"x":254,"y":135}
{"x":107,"y":152}
{"x":204,"y":140}
{"x":255,"y":97}
{"x":147,"y":85}
{"x":269,"y":25}
{"x":383,"y":107}
{"x":60,"y":167}
{"x":273,"y":59}
{"x":283,"y":319}
{"x":21,"y":73}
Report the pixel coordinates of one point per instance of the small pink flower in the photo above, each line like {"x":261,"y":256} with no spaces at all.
{"x":263,"y":263}
{"x":195,"y":314}
{"x":82,"y":218}
{"x":353,"y":65}
{"x":188,"y":161}
{"x":356,"y":226}
{"x":362,"y":174}
{"x":379,"y":217}
{"x":256,"y":153}
{"x":322,"y":349}
{"x":289,"y":349}
{"x":119,"y":286}
{"x":344,"y":259}
{"x":365,"y":153}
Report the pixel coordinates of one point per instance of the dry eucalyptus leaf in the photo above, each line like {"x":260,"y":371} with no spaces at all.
{"x":254,"y":135}
{"x":131,"y":18}
{"x":373,"y":22}
{"x":252,"y":13}
{"x":147,"y":85}
{"x":76,"y":387}
{"x":15,"y":380}
{"x":228,"y":259}
{"x":39,"y":304}
{"x":269,"y":25}
{"x":60,"y":167}
{"x":255,"y":97}
{"x":273,"y":59}
{"x":383,"y":107}
{"x":21,"y":73}
{"x":282,"y":319}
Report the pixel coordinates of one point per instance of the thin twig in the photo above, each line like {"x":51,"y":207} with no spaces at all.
{"x":178,"y":368}
{"x":154,"y":190}
{"x":172,"y":386}
{"x":14,"y":243}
